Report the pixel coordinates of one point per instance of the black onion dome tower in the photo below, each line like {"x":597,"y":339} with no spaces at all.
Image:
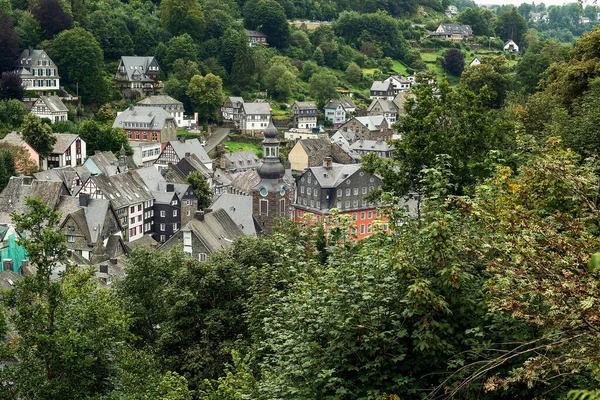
{"x":269,"y":196}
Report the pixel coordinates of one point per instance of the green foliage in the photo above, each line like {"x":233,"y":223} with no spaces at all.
{"x":80,"y":60}
{"x":183,"y":17}
{"x":323,"y":87}
{"x":102,"y":137}
{"x":12,"y":114}
{"x":453,"y":61}
{"x":511,"y":25}
{"x":206,"y":95}
{"x":492,"y":74}
{"x":7,"y":167}
{"x":449,"y":121}
{"x":583,"y":395}
{"x":354,"y":73}
{"x":269,"y":16}
{"x":181,"y":47}
{"x":38,"y":135}
{"x":280,"y":80}
{"x":201,"y":189}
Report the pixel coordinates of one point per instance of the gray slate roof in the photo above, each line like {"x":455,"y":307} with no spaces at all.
{"x":160,"y":100}
{"x":455,"y":28}
{"x":12,"y":198}
{"x":337,"y":174}
{"x":54,"y":103}
{"x":122,"y":189}
{"x":63,"y":142}
{"x":90,"y":219}
{"x":381,"y":86}
{"x":243,"y":159}
{"x":346,"y":102}
{"x":14,"y":139}
{"x":305,"y":105}
{"x":136,"y":67}
{"x":254,"y":108}
{"x":372,"y":122}
{"x":387,"y":106}
{"x":239,"y":208}
{"x":192,"y":146}
{"x":371,"y":145}
{"x":155,"y":116}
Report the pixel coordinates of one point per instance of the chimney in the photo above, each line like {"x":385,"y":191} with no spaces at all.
{"x":8,"y":265}
{"x":113,"y":261}
{"x":345,"y":129}
{"x":84,"y":200}
{"x":170,"y":187}
{"x":104,"y":269}
{"x":327,"y":162}
{"x":199,"y":215}
{"x":96,"y":152}
{"x":188,"y":154}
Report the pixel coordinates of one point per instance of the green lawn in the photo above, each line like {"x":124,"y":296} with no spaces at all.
{"x":399,"y":68}
{"x":237,"y":146}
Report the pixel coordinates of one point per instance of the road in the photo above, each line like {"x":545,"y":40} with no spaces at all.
{"x":218,"y":136}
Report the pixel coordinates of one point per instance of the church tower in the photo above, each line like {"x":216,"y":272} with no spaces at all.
{"x":270,"y":199}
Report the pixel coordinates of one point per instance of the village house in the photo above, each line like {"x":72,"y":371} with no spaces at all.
{"x":382,"y":90}
{"x":385,"y":108}
{"x":239,"y":209}
{"x":130,"y":199}
{"x":38,"y":72}
{"x":255,"y":117}
{"x":342,"y":187}
{"x":453,"y":32}
{"x":167,"y":103}
{"x":232,"y":108}
{"x":369,"y":128}
{"x":105,"y":162}
{"x":147,"y":124}
{"x":304,"y":114}
{"x":18,"y":188}
{"x":400,"y":83}
{"x":69,"y":150}
{"x":256,"y":38}
{"x":343,"y":137}
{"x":311,"y":152}
{"x":50,"y":107}
{"x":138,"y":76}
{"x":239,"y":161}
{"x":72,"y":178}
{"x":337,"y":110}
{"x":451,"y":11}
{"x":145,"y":153}
{"x":174,"y":203}
{"x":91,"y":228}
{"x":208,"y":232}
{"x":175,"y":150}
{"x":511,"y":47}
{"x":381,"y":148}
{"x":295,"y":134}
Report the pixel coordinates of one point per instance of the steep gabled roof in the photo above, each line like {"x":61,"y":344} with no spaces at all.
{"x":191,"y":146}
{"x":155,"y":117}
{"x":381,"y":86}
{"x":12,"y":198}
{"x":122,"y":189}
{"x":239,"y":208}
{"x":455,"y":28}
{"x":334,"y":176}
{"x":257,"y":108}
{"x":137,"y":67}
{"x":54,"y":103}
{"x":217,"y":231}
{"x":160,"y":100}
{"x":63,"y":142}
{"x":387,"y":106}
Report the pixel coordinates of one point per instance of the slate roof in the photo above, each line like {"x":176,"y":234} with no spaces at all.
{"x":372,"y":122}
{"x":401,"y":98}
{"x":160,"y":100}
{"x":255,"y":108}
{"x":381,"y":86}
{"x":66,"y":175}
{"x":245,"y":181}
{"x":122,"y":189}
{"x":8,"y":279}
{"x":105,"y":162}
{"x":217,"y":231}
{"x":12,"y":198}
{"x":387,"y":106}
{"x":29,"y":58}
{"x":157,"y":184}
{"x":371,"y":145}
{"x":63,"y":142}
{"x":242,"y":159}
{"x":90,"y":219}
{"x":305,"y":105}
{"x":251,"y":33}
{"x":334,"y":176}
{"x":346,"y":102}
{"x":14,"y":139}
{"x":155,"y":116}
{"x":455,"y":28}
{"x":138,"y":64}
{"x":54,"y":103}
{"x":239,"y":208}
{"x":347,"y":134}
{"x":192,"y":146}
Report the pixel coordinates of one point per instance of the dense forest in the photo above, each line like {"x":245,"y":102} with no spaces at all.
{"x":489,"y":292}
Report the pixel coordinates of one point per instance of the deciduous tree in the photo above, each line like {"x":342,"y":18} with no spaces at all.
{"x":323,"y":87}
{"x":52,"y":17}
{"x":38,"y":135}
{"x":183,"y":16}
{"x":11,"y":86}
{"x":206,"y":94}
{"x":9,"y":43}
{"x":201,"y":189}
{"x":453,"y":61}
